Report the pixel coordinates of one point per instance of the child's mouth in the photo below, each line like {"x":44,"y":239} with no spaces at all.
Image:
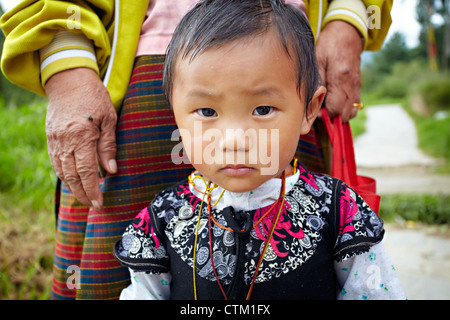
{"x":237,"y":170}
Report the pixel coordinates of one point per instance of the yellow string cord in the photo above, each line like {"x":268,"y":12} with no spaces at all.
{"x":195,"y":248}
{"x":208,"y":190}
{"x":207,"y":193}
{"x":254,"y":225}
{"x":294,"y":170}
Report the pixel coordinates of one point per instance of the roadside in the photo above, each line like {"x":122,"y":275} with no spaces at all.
{"x":413,"y":179}
{"x":388,"y":152}
{"x":421,"y":257}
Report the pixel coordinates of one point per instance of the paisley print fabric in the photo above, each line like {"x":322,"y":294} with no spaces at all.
{"x":315,"y":204}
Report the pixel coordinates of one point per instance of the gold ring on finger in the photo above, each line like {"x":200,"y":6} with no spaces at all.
{"x":358,"y":105}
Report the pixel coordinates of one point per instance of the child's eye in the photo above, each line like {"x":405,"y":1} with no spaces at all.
{"x":262,"y":110}
{"x":207,"y":112}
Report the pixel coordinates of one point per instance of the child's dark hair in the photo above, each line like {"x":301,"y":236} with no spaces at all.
{"x":212,"y":23}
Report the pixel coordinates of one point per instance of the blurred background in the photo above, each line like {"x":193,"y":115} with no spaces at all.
{"x":402,"y":138}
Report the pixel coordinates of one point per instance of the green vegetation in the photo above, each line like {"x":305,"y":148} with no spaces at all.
{"x":27,"y":221}
{"x":434,"y":137}
{"x":426,"y":209}
{"x":436,"y":92}
{"x":27,"y":175}
{"x":398,"y":74}
{"x":358,"y":124}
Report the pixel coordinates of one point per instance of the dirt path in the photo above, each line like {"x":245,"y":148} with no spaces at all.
{"x":390,"y":140}
{"x":422,"y":260}
{"x":388,"y":152}
{"x":408,"y":179}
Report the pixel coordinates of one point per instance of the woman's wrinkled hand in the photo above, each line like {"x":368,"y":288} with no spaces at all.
{"x":80,"y":127}
{"x":338,"y":51}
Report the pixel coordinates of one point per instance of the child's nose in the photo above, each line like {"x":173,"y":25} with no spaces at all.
{"x":237,"y":140}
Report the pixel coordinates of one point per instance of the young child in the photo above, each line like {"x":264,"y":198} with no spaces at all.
{"x":251,"y":222}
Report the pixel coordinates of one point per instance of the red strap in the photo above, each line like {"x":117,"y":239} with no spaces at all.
{"x":343,"y":156}
{"x":343,"y":164}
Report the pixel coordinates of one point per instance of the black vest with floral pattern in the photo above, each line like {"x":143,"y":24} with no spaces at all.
{"x":321,"y":221}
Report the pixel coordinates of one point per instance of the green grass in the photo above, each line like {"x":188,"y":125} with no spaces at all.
{"x":435,"y":91}
{"x":433,"y":132}
{"x":434,"y":139}
{"x":358,"y":124}
{"x":434,"y":136}
{"x":26,"y":172}
{"x":426,"y":209}
{"x":27,"y":222}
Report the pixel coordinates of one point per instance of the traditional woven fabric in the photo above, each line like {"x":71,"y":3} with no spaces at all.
{"x":71,"y":226}
{"x":85,"y":238}
{"x":314,"y":149}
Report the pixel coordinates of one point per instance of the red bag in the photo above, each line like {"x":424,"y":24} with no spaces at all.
{"x":343,"y":165}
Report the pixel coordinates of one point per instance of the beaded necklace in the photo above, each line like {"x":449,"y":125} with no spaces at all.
{"x":207,"y":194}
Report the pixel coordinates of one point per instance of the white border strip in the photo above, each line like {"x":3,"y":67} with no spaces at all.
{"x":114,"y":44}
{"x":319,"y":22}
{"x":70,"y":53}
{"x":347,"y":13}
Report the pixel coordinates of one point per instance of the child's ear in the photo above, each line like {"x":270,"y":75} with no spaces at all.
{"x":313,"y":109}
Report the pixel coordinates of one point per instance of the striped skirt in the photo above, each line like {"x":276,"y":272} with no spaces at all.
{"x":84,"y":267}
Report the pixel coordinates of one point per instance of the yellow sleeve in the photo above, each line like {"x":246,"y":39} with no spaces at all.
{"x":66,"y":51}
{"x":379,"y":20}
{"x":370,"y":17}
{"x":32,"y":25}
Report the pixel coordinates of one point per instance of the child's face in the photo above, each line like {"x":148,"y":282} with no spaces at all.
{"x":239,"y":112}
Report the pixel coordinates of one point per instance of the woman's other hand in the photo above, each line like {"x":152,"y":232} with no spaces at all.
{"x":338,"y":51}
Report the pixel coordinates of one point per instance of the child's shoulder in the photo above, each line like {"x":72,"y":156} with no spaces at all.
{"x":172,"y":197}
{"x":356,"y":225}
{"x":173,"y":189}
{"x":320,"y":183}
{"x":317,"y":184}
{"x":142,"y":244}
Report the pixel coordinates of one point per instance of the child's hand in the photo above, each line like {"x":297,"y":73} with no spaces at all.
{"x":339,"y":49}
